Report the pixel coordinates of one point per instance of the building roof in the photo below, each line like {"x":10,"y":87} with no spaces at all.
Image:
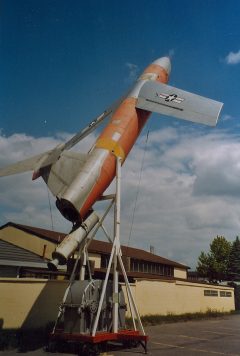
{"x":49,"y":235}
{"x":9,"y":254}
{"x":96,"y":246}
{"x":105,"y":248}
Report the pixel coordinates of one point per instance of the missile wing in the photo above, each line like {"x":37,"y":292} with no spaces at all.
{"x":46,"y":159}
{"x":23,"y":166}
{"x":167,"y":100}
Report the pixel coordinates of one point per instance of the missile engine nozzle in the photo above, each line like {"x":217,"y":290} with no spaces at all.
{"x":53,"y":265}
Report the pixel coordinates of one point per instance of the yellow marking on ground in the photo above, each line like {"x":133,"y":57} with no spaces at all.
{"x":193,"y":337}
{"x":193,"y":349}
{"x":233,"y":329}
{"x":186,"y":336}
{"x":218,"y":333}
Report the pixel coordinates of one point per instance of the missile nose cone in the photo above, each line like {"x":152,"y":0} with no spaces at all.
{"x":165,"y":63}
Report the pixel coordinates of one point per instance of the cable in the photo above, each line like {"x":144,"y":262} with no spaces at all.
{"x":138,"y":186}
{"x":50,"y":209}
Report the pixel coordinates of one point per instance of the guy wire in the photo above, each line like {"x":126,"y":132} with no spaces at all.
{"x":138,"y":186}
{"x":50,"y":209}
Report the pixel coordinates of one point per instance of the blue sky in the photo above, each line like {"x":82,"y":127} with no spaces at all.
{"x":63,"y":62}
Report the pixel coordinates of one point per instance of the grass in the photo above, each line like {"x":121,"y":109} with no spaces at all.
{"x":173,"y":318}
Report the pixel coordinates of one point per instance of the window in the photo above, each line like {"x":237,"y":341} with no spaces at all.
{"x":104,"y":261}
{"x":225,"y":294}
{"x":161,"y":272}
{"x":210,"y":293}
{"x":151,"y":267}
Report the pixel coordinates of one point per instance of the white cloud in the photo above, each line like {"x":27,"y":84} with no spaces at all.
{"x":133,"y":71}
{"x":189,"y":191}
{"x":233,"y":58}
{"x":227,"y":117}
{"x":171,"y":53}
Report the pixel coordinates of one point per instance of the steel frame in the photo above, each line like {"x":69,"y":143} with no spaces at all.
{"x":138,"y":334}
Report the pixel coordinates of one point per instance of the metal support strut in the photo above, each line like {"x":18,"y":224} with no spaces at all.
{"x":116,"y":260}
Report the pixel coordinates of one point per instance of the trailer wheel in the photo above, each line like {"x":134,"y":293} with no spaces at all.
{"x":89,"y":349}
{"x":51,"y":347}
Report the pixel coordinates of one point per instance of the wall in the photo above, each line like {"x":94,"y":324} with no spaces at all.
{"x":29,"y":302}
{"x":179,"y":297}
{"x":33,"y":303}
{"x":180,"y":273}
{"x":96,"y":258}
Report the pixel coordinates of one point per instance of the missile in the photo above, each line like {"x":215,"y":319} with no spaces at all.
{"x":79,"y":180}
{"x":116,"y":140}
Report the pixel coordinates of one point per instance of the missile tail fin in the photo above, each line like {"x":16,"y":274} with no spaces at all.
{"x":60,"y":174}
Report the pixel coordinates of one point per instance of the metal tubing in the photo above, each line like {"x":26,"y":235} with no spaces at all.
{"x":103,"y":291}
{"x":117,"y":240}
{"x":116,"y":256}
{"x":83,"y":267}
{"x":130,"y":294}
{"x":113,"y":257}
{"x":100,"y":221}
{"x":106,"y":234}
{"x":107,"y":197}
{"x":127,"y":284}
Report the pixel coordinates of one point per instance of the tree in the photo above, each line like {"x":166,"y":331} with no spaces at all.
{"x":234,"y":261}
{"x":214,"y":265}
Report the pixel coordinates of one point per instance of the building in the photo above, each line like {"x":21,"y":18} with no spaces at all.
{"x":14,"y":259}
{"x":30,"y":294}
{"x":25,"y":244}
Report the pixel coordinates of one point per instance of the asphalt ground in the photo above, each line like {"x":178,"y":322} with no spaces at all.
{"x":195,"y":338}
{"x":219,"y":336}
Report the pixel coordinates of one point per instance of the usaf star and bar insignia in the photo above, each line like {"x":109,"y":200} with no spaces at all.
{"x":170,"y":98}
